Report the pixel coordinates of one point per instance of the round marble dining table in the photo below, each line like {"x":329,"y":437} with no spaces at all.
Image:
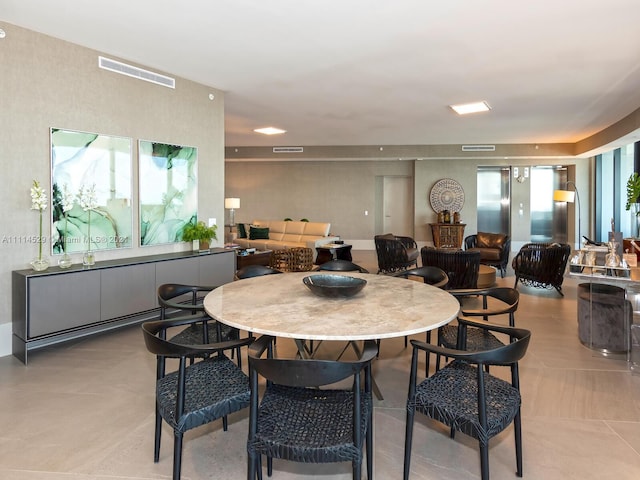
{"x":282,"y":306}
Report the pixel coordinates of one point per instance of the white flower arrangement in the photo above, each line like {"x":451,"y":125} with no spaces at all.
{"x":38,"y":197}
{"x":67,"y":198}
{"x":88,"y":201}
{"x":39,"y":203}
{"x":87,"y":198}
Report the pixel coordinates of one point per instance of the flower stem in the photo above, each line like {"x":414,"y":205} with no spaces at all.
{"x":66,"y":232}
{"x":40,"y":239}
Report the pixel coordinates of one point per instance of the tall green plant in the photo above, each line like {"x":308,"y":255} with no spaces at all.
{"x":633,"y":190}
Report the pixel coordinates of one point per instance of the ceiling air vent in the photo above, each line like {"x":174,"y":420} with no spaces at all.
{"x":478,"y":148}
{"x":135,"y":72}
{"x":288,"y":149}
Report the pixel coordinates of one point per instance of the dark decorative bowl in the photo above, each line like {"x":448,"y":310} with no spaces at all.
{"x":334,"y":286}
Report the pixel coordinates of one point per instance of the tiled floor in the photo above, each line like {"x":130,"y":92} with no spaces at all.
{"x":85,"y":411}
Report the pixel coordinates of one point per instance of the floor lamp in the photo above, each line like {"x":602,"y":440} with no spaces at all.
{"x":569,"y":196}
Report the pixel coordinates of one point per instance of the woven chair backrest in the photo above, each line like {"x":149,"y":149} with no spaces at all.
{"x":462,"y":267}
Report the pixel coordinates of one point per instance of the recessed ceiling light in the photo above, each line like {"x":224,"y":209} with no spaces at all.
{"x":474,"y":107}
{"x":270,"y":130}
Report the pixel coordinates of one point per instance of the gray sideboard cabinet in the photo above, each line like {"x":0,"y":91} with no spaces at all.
{"x":59,"y":305}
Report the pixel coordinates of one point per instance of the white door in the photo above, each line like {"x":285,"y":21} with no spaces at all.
{"x":398,"y":206}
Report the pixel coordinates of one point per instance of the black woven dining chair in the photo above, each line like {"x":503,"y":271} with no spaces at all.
{"x":177,"y":298}
{"x":196,"y":394}
{"x":505,"y":302}
{"x":297,"y":420}
{"x":339,"y":265}
{"x":431,"y":275}
{"x":251,"y":271}
{"x":465,"y":397}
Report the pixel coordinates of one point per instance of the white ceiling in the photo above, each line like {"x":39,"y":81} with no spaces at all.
{"x":377,"y":72}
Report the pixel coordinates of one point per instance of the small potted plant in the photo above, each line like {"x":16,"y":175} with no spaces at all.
{"x":199,"y":231}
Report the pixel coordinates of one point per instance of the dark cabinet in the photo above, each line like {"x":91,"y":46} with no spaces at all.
{"x":58,"y":305}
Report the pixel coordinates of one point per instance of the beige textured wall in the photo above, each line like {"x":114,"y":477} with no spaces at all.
{"x":45,"y":82}
{"x":324,"y":191}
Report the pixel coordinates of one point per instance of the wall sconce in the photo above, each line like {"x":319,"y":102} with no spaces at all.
{"x":232,"y":204}
{"x":569,"y":196}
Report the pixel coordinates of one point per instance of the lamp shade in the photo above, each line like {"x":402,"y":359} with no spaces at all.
{"x":564,"y":196}
{"x":231,"y":203}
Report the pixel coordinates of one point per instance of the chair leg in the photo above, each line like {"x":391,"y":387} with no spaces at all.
{"x":369,"y":447}
{"x":408,"y":439}
{"x":251,"y":468}
{"x":356,"y":467}
{"x":517,"y":427}
{"x":225,"y":423}
{"x":484,"y":461}
{"x":177,"y":454}
{"x":428,"y":357}
{"x":269,"y":466}
{"x":254,"y":466}
{"x":156,"y":446}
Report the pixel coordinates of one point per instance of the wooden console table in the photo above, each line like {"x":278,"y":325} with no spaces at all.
{"x":447,"y":235}
{"x":58,"y":305}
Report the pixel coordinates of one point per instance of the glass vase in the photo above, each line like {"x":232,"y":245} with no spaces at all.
{"x":89,"y":258}
{"x":635,"y":220}
{"x":39,"y":264}
{"x":65,"y":261}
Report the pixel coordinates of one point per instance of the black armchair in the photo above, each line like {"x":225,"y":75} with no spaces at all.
{"x":465,"y":397}
{"x":494,"y":249}
{"x":196,"y":394}
{"x":297,"y":421}
{"x":462,"y":267}
{"x":541,"y":265}
{"x":395,"y":252}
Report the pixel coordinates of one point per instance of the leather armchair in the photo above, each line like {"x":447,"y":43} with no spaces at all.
{"x":494,"y":249}
{"x":395,"y":252}
{"x":541,"y":265}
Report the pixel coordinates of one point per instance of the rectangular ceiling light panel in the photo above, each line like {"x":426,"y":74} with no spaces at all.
{"x":135,"y":72}
{"x":288,"y":149}
{"x":474,"y":107}
{"x":478,"y":148}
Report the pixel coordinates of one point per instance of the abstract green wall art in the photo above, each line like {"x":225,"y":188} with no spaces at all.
{"x":81,"y":162}
{"x":168,"y":177}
